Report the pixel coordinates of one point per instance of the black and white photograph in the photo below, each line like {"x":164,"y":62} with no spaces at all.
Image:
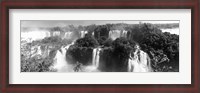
{"x":99,"y":45}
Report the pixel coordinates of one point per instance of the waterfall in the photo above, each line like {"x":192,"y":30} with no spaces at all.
{"x":94,"y":54}
{"x":109,"y":35}
{"x":124,"y":33}
{"x":140,"y":62}
{"x":60,"y":62}
{"x":113,"y":34}
{"x":86,"y":32}
{"x":67,"y":35}
{"x":117,"y":33}
{"x":47,"y":34}
{"x":83,"y":33}
{"x":96,"y":57}
{"x":56,"y":33}
{"x":93,"y":34}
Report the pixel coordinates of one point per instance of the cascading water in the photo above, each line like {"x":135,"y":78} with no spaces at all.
{"x":124,"y":33}
{"x":140,"y":62}
{"x":67,"y":35}
{"x":47,"y":34}
{"x":83,"y":33}
{"x":96,"y":57}
{"x":109,"y":34}
{"x":60,"y":62}
{"x":113,"y":34}
{"x":93,"y":34}
{"x":56,"y":33}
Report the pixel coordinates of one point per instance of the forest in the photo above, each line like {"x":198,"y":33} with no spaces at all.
{"x":162,"y":47}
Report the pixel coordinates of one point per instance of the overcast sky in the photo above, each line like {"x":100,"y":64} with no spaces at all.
{"x":53,"y":23}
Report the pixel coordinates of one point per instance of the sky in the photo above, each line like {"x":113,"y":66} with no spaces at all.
{"x":54,"y":23}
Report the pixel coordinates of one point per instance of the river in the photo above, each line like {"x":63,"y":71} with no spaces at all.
{"x":172,"y":31}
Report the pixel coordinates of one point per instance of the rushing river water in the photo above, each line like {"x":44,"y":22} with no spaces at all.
{"x":172,"y":31}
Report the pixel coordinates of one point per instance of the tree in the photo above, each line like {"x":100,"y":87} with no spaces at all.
{"x":107,"y":42}
{"x":82,"y":50}
{"x":87,"y":41}
{"x":101,"y":30}
{"x":121,"y":50}
{"x":90,"y":28}
{"x":101,"y":40}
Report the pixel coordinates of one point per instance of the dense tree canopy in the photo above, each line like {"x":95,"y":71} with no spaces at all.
{"x":87,"y":41}
{"x":160,"y":46}
{"x":163,"y":48}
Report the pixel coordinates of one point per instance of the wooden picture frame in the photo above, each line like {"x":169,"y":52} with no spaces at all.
{"x":100,"y":4}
